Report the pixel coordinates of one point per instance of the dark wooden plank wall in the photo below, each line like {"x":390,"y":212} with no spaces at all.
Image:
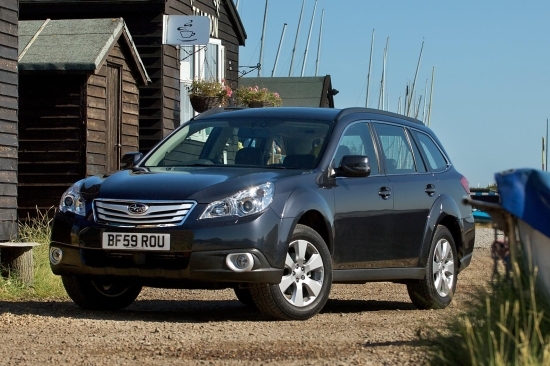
{"x":144,"y":22}
{"x":8,"y":119}
{"x":51,"y":138}
{"x":159,"y":100}
{"x":96,"y":111}
{"x":146,"y":32}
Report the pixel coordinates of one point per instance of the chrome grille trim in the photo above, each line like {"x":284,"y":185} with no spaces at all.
{"x":115,"y":212}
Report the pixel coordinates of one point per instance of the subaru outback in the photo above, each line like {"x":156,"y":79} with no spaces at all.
{"x":276,"y":203}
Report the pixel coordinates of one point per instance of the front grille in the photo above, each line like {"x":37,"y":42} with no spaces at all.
{"x":152,"y":213}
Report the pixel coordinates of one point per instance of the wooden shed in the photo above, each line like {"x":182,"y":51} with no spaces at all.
{"x":308,"y":91}
{"x":8,"y":119}
{"x":79,"y":104}
{"x":161,"y":102}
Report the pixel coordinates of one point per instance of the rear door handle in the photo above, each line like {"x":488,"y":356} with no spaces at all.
{"x":384,"y":192}
{"x":430,"y":190}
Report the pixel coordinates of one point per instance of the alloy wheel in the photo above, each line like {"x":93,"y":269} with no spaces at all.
{"x":303,"y":274}
{"x":443,"y":268}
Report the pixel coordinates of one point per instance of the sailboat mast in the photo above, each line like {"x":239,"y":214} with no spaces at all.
{"x":319,"y":43}
{"x":431,"y":97}
{"x":543,"y":162}
{"x":399,"y":105}
{"x":418,"y":107}
{"x":262,"y":43}
{"x":383,"y":81}
{"x":368,"y":75}
{"x":308,"y":38}
{"x":414,"y":81}
{"x":296,"y":40}
{"x":425,"y":101}
{"x":278,"y":51}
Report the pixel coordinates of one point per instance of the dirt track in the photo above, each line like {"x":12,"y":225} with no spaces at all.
{"x":372,"y":324}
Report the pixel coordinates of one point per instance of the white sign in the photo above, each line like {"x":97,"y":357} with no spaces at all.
{"x":186,"y":30}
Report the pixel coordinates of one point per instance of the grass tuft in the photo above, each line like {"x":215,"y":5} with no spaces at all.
{"x":46,"y":284}
{"x":510,"y":325}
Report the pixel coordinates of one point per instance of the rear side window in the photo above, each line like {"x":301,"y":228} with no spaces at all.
{"x":396,"y":149}
{"x":435,"y":158}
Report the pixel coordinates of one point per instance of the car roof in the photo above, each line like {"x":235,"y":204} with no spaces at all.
{"x":313,"y":113}
{"x":327,"y":114}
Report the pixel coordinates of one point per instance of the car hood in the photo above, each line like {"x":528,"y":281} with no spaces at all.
{"x":202,"y":184}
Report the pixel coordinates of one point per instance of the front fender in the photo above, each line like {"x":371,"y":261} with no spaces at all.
{"x":299,"y":203}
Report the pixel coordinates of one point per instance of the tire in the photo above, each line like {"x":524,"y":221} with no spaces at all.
{"x":437,"y":288}
{"x":96,"y":295}
{"x":306,"y":281}
{"x":244,"y":296}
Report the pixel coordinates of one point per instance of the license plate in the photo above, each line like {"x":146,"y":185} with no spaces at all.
{"x":137,"y":241}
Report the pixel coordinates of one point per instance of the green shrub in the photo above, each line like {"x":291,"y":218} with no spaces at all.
{"x":46,"y":284}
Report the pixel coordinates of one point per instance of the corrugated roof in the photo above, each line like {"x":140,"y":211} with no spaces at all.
{"x":71,"y":44}
{"x":295,"y":91}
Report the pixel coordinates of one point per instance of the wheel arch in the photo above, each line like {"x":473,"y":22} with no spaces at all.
{"x":315,"y":220}
{"x":444,"y":212}
{"x":312,"y":209}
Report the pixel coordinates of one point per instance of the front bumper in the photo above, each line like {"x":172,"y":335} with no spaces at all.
{"x":198,"y":251}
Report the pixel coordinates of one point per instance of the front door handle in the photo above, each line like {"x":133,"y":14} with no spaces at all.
{"x":384,"y":192}
{"x":430,"y":190}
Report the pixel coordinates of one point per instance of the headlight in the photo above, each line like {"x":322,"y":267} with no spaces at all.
{"x":71,"y":201}
{"x":244,"y":203}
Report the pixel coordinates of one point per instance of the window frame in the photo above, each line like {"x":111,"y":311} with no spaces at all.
{"x":409,"y":140}
{"x":414,"y":131}
{"x":198,"y":70}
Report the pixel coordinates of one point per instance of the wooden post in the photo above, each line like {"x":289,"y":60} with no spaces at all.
{"x":16,"y":259}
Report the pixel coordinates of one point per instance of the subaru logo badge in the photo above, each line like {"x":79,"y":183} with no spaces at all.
{"x":137,"y":208}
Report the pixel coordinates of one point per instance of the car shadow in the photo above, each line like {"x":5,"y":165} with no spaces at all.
{"x":183,"y":311}
{"x":359,"y":306}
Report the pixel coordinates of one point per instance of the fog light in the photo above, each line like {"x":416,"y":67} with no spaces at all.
{"x":56,"y":255}
{"x":240,"y":262}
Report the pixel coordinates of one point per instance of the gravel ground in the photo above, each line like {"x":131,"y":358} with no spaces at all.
{"x":371,"y":324}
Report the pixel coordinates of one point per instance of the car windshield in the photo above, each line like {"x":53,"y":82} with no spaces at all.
{"x":247,"y":142}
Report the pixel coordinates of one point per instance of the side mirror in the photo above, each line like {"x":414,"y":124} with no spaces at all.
{"x":354,"y":166}
{"x":129,"y":160}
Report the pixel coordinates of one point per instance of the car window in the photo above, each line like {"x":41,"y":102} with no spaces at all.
{"x":435,"y":158}
{"x":396,"y":150}
{"x":285,"y":144}
{"x":357,"y":140}
{"x":420,"y":165}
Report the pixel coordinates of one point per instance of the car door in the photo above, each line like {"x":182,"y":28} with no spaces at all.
{"x":363,"y":217}
{"x":414,"y":192}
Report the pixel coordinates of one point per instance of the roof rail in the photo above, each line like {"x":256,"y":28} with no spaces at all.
{"x":213,"y":111}
{"x":346,"y":111}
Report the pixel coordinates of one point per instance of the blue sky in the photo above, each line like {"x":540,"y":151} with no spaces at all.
{"x":491,"y":93}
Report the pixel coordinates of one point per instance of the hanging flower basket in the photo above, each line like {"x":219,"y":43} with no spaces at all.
{"x":254,"y":97}
{"x":206,"y":94}
{"x":202,"y":103}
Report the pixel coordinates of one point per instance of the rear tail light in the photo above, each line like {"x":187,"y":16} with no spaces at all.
{"x":465,"y":184}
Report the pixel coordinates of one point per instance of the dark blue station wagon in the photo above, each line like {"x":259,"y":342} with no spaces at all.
{"x":276,"y":203}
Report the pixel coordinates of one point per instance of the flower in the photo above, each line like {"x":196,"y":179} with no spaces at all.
{"x":210,"y":88}
{"x":248,"y":95}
